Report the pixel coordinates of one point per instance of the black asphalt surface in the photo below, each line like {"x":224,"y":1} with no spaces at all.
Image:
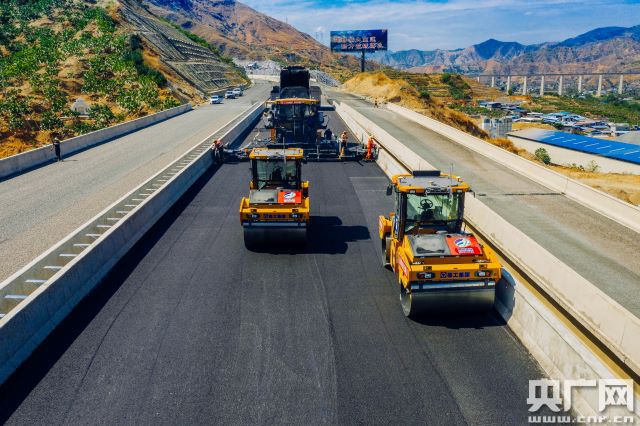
{"x":600,"y":249}
{"x":192,"y":328}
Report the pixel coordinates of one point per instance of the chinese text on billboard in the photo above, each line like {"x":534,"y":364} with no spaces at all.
{"x":358,"y":40}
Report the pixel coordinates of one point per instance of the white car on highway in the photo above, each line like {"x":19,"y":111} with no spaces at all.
{"x":230,"y":94}
{"x":237,"y":91}
{"x":215,"y":99}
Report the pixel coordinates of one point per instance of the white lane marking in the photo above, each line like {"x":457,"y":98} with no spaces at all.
{"x":16,"y":296}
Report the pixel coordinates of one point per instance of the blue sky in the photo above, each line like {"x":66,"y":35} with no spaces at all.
{"x":448,"y":24}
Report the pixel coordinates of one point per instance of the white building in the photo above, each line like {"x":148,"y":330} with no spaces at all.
{"x":496,"y":127}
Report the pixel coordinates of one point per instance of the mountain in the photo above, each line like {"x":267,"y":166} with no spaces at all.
{"x":190,"y":63}
{"x":242,"y":32}
{"x":69,"y":67}
{"x":606,"y":49}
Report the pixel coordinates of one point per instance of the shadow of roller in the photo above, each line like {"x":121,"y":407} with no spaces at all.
{"x":325,"y":235}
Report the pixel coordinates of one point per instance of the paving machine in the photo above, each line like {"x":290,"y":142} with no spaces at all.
{"x":277,"y":209}
{"x":438,"y":266}
{"x":294,"y":114}
{"x":295,"y":118}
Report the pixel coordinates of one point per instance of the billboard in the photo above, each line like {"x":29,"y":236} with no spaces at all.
{"x":358,"y":40}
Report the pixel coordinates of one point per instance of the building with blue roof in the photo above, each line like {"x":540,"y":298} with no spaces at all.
{"x":568,"y":148}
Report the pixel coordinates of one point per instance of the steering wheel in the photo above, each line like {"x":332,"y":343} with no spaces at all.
{"x":426,"y":203}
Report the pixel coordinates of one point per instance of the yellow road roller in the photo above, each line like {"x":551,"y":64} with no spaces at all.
{"x":277,"y":209}
{"x":438,"y":266}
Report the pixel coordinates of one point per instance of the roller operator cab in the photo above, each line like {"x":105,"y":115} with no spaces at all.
{"x":438,"y":266}
{"x":277,"y":209}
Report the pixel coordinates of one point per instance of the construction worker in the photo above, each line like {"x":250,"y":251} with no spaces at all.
{"x":344,"y":138}
{"x":55,"y":145}
{"x":370,"y":148}
{"x":218,"y":151}
{"x":375,"y":103}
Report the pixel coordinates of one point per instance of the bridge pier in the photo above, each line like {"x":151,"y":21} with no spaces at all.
{"x":579,"y":84}
{"x":508,"y":83}
{"x":560,"y":86}
{"x":542,"y":85}
{"x":478,"y":79}
{"x":621,"y":84}
{"x":493,"y":81}
{"x":524,"y":85}
{"x":599,"y":92}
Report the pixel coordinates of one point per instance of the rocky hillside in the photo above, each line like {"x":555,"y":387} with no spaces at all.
{"x":182,"y":55}
{"x":111,"y":58}
{"x":245,"y":33}
{"x":603,"y":49}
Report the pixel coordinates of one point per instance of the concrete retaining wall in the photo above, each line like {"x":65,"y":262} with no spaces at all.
{"x":31,"y":321}
{"x":560,"y":352}
{"x":27,"y":160}
{"x":596,"y":311}
{"x":264,"y":77}
{"x":605,"y":204}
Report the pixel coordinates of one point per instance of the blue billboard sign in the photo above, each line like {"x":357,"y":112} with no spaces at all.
{"x":358,"y":40}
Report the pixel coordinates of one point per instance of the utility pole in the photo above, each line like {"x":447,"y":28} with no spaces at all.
{"x":362,"y":62}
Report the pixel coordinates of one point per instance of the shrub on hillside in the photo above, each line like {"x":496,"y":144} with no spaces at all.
{"x":543,"y":156}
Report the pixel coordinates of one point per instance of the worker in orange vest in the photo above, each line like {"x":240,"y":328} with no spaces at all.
{"x":344,"y":138}
{"x":370,"y":147}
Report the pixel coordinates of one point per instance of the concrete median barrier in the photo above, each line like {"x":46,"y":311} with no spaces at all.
{"x":597,"y":312}
{"x":560,"y":351}
{"x":605,"y":204}
{"x":27,"y":160}
{"x":39,"y":296}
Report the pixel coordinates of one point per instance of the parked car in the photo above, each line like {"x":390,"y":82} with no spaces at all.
{"x":230,"y":94}
{"x":215,"y":99}
{"x":238,"y":91}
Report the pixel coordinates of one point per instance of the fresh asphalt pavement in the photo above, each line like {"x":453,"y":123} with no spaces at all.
{"x":42,"y":206}
{"x":598,"y":248}
{"x":192,"y":328}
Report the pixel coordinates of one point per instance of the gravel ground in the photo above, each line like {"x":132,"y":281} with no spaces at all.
{"x":41,"y":207}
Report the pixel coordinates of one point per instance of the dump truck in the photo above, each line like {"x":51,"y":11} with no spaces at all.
{"x":277,"y":209}
{"x":438,"y":266}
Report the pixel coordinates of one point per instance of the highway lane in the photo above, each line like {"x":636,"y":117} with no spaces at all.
{"x":601,"y":250}
{"x":194,"y":329}
{"x":41,"y":207}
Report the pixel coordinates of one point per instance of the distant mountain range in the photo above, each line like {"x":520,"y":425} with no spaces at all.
{"x":612,"y":49}
{"x":245,"y":33}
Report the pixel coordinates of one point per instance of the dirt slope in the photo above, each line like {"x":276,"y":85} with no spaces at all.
{"x":381,"y":87}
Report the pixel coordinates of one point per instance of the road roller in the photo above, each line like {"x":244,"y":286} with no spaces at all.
{"x":277,"y":209}
{"x":438,"y":266}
